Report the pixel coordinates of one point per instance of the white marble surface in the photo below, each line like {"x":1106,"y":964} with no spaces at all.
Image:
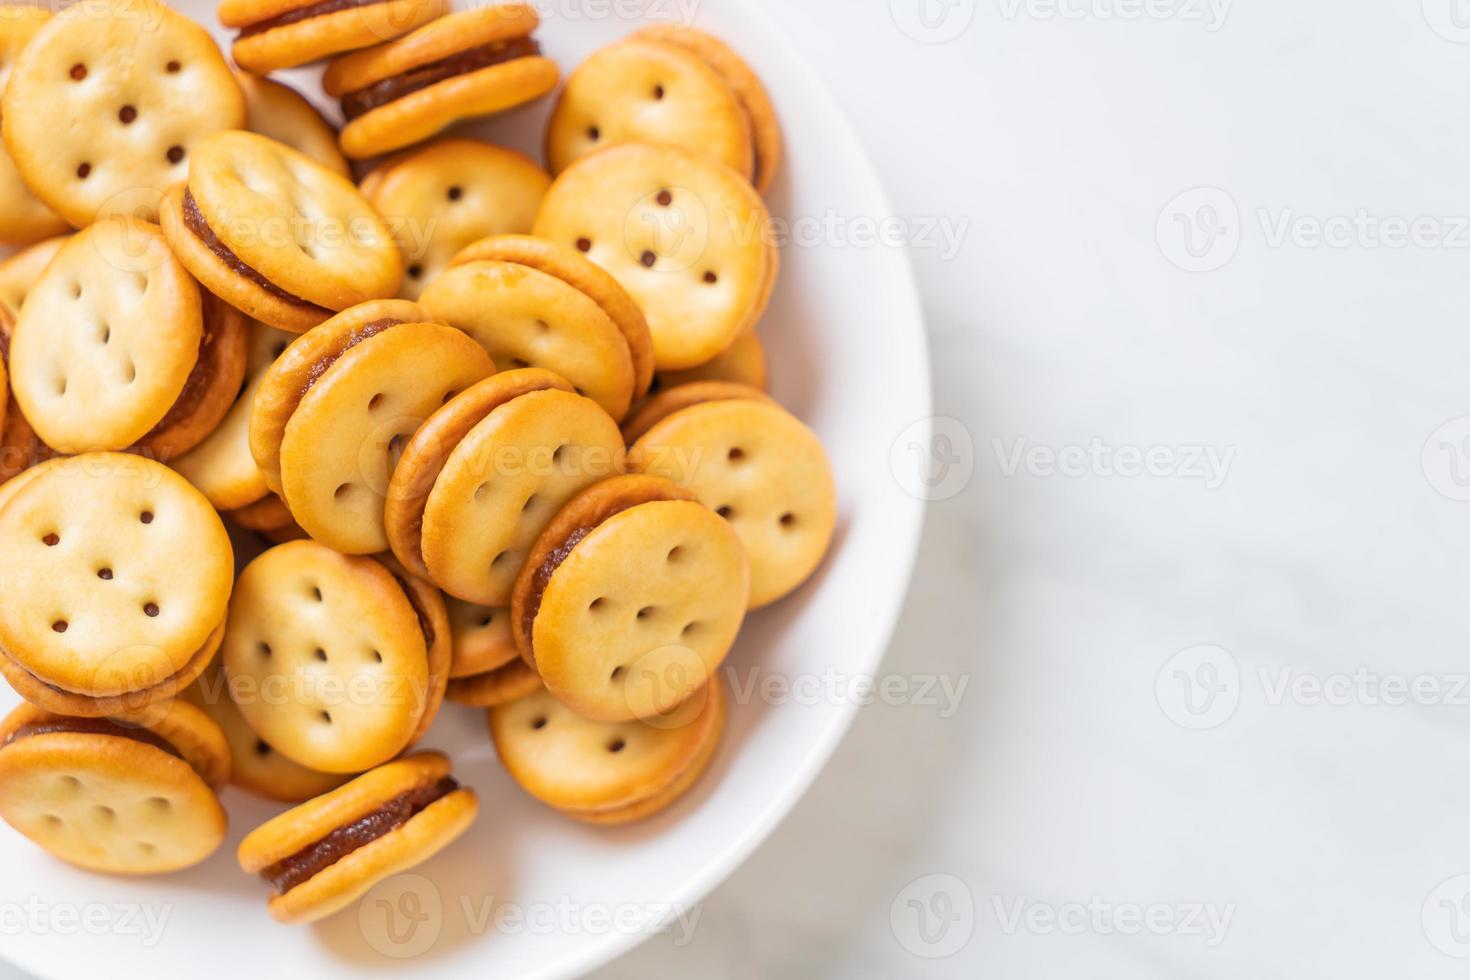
{"x":1290,"y":547}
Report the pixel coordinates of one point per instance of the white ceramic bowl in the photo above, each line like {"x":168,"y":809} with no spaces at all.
{"x":527,"y":893}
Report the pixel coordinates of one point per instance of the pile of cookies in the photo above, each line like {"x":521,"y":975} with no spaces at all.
{"x":305,"y":433}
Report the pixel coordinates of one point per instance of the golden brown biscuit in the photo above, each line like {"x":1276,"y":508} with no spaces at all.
{"x":279,"y":112}
{"x":630,"y":599}
{"x":121,"y":797}
{"x":108,"y":102}
{"x":277,"y":235}
{"x":23,"y":218}
{"x":450,"y":194}
{"x":117,"y":574}
{"x":500,"y":685}
{"x":20,"y":272}
{"x":743,"y":362}
{"x":336,"y":410}
{"x":474,"y":62}
{"x":275,"y":34}
{"x":481,"y":636}
{"x":325,"y":854}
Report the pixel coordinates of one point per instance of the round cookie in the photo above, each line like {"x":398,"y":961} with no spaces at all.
{"x":685,"y":235}
{"x":111,"y":796}
{"x":277,"y":235}
{"x":336,"y":410}
{"x":474,"y":62}
{"x":586,"y":277}
{"x":275,"y":34}
{"x":23,"y":218}
{"x":526,"y":318}
{"x":108,"y":102}
{"x":221,"y":466}
{"x":607,"y":772}
{"x":671,"y":400}
{"x":325,"y":854}
{"x":501,"y":685}
{"x":644,"y":90}
{"x":107,"y":342}
{"x":760,"y":468}
{"x":329,"y":658}
{"x":279,"y":112}
{"x":269,"y":513}
{"x":743,"y":362}
{"x":765,"y":128}
{"x":630,"y":599}
{"x":20,"y":272}
{"x":116,"y":575}
{"x":481,"y":637}
{"x":484,"y":475}
{"x":450,"y":194}
{"x":257,"y":768}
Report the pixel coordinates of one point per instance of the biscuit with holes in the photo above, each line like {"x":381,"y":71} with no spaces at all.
{"x":502,"y":685}
{"x":480,"y":634}
{"x":221,"y":466}
{"x":743,"y":81}
{"x":23,"y":218}
{"x":587,"y":278}
{"x":743,"y":362}
{"x":607,"y":772}
{"x":686,"y":236}
{"x":115,"y":796}
{"x":20,"y":272}
{"x":478,"y":482}
{"x":525,"y":318}
{"x":277,"y":235}
{"x":757,"y":466}
{"x":645,"y":90}
{"x":337,"y":409}
{"x":108,"y":102}
{"x":255,"y":766}
{"x":116,"y":574}
{"x":332,"y":659}
{"x":279,"y":112}
{"x":327,"y":853}
{"x":113,"y":347}
{"x":630,"y":599}
{"x":451,"y":194}
{"x":275,"y":34}
{"x":474,"y":62}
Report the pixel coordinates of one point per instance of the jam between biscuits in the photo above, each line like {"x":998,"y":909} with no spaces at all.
{"x":92,"y":726}
{"x":364,"y":100}
{"x":303,"y":13}
{"x":195,"y":222}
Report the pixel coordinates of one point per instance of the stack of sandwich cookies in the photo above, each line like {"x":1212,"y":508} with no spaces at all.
{"x":337,"y":662}
{"x":471,"y":63}
{"x":276,"y":234}
{"x":255,"y":767}
{"x":630,"y":599}
{"x":607,"y":772}
{"x":23,"y":218}
{"x":336,"y":410}
{"x":323,"y":855}
{"x":753,"y":463}
{"x":276,"y":34}
{"x":221,"y":466}
{"x":108,"y":102}
{"x":279,"y":112}
{"x":487,"y":670}
{"x":115,"y":346}
{"x":116,"y":574}
{"x":120,"y":796}
{"x":684,"y":234}
{"x":450,"y":194}
{"x":479,"y":481}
